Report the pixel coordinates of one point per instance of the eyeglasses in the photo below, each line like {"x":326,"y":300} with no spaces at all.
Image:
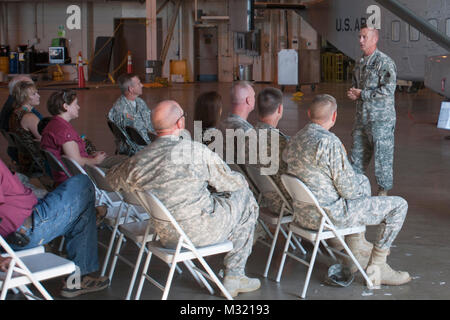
{"x":183,"y":115}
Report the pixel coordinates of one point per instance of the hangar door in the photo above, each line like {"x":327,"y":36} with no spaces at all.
{"x":206,"y":53}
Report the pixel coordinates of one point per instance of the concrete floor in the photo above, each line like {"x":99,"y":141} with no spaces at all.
{"x":421,"y":176}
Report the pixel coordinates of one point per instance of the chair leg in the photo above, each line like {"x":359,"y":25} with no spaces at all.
{"x":299,"y":245}
{"x":116,"y":255}
{"x":136,"y":268}
{"x":143,"y":273}
{"x":27,"y":292}
{"x":310,"y":268}
{"x":355,"y":261}
{"x":172,"y":269}
{"x":285,"y":236}
{"x":283,"y":258}
{"x":265,"y":228}
{"x":108,"y":251}
{"x":169,"y":281}
{"x":330,"y":252}
{"x":272,"y":248}
{"x":214,"y":277}
{"x":198,"y":276}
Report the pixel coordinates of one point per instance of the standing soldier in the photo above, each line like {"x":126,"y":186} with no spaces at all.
{"x":374,"y":82}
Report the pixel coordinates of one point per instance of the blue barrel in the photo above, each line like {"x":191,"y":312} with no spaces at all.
{"x":13,"y":62}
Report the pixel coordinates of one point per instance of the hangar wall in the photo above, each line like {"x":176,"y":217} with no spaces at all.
{"x":30,"y":20}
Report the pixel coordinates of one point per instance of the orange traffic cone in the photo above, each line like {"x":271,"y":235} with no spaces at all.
{"x":129,"y":63}
{"x":81,"y":83}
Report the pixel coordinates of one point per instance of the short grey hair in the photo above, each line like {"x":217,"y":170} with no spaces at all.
{"x":124,"y":81}
{"x":238,"y":91}
{"x":322,"y":107}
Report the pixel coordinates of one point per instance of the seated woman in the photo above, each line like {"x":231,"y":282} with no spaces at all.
{"x":60,"y":138}
{"x":23,"y":121}
{"x":208,"y":109}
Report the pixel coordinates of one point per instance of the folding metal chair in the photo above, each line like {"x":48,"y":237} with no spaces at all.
{"x":115,"y":217}
{"x":265,"y":184}
{"x":300,"y":192}
{"x":31,"y":267}
{"x":11,"y":142}
{"x":54,"y":163}
{"x":185,"y":251}
{"x":139,"y":232}
{"x":74,"y":168}
{"x":135,"y":136}
{"x":120,"y":135}
{"x":36,"y":166}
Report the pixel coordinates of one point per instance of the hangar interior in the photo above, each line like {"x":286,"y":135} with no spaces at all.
{"x":188,"y":47}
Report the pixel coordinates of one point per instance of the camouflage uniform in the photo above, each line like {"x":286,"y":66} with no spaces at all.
{"x":123,"y":114}
{"x":178,"y":172}
{"x":318,"y":158}
{"x":271,"y":199}
{"x":373,"y":132}
{"x":235,"y":122}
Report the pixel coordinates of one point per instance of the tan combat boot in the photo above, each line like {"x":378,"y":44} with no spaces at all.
{"x":361,"y":249}
{"x":379,"y":272}
{"x":238,"y":284}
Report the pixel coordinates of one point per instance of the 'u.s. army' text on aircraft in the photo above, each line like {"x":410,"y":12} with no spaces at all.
{"x":418,"y":58}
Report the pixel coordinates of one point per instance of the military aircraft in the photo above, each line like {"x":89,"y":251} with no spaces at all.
{"x":418,"y":57}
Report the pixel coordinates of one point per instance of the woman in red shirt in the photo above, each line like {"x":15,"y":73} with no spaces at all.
{"x":60,"y":138}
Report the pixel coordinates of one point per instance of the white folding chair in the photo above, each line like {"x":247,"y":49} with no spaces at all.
{"x":74,"y":168}
{"x":300,"y":192}
{"x":265,"y":184}
{"x":140,"y":232}
{"x":115,"y":217}
{"x":30,"y":267}
{"x":185,"y":251}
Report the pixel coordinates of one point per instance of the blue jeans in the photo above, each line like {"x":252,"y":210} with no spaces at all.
{"x":68,"y":211}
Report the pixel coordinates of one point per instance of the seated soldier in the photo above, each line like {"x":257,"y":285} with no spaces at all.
{"x":242,"y":103}
{"x":67,"y":211}
{"x":178,"y":172}
{"x":270,"y":110}
{"x":318,"y":158}
{"x":130,"y":110}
